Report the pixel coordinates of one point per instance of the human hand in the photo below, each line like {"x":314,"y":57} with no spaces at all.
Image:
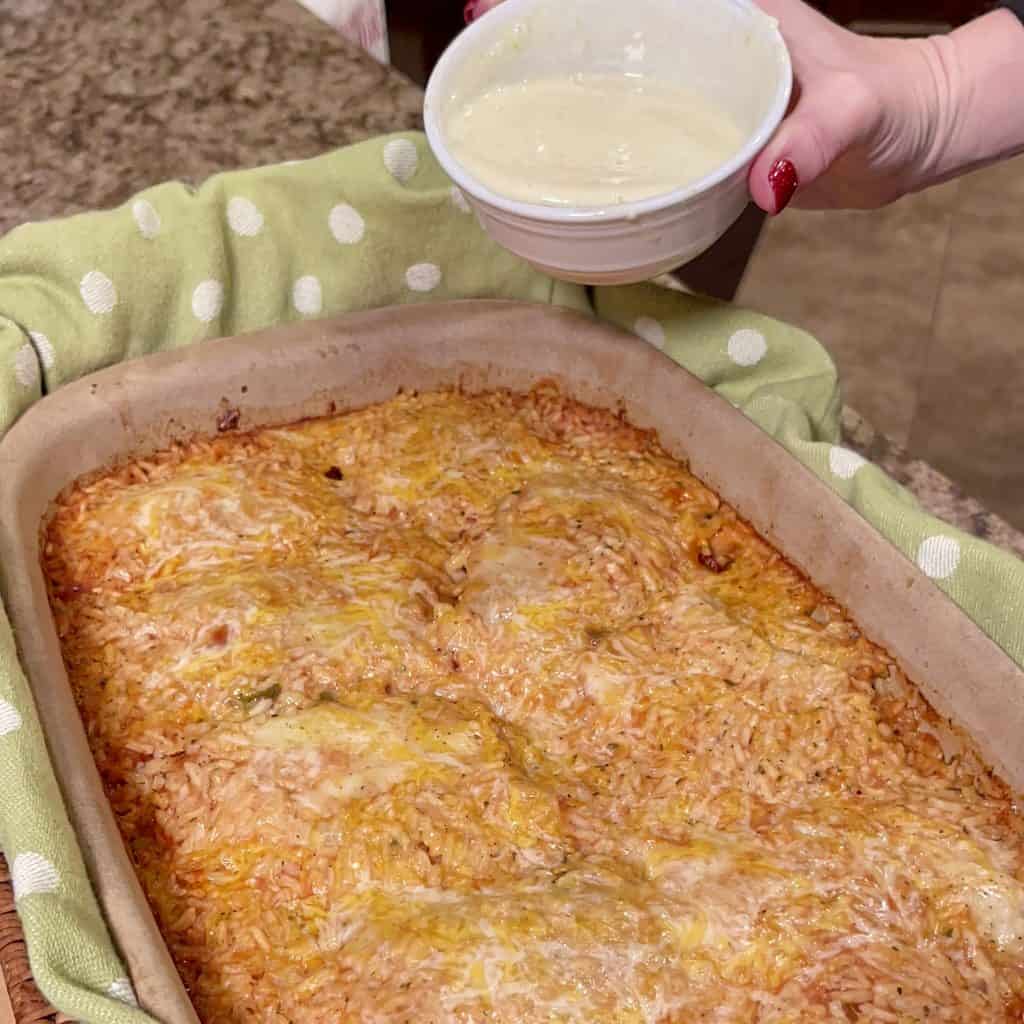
{"x":873,"y":119}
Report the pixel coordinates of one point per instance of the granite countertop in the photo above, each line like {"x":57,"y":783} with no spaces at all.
{"x":101,"y":100}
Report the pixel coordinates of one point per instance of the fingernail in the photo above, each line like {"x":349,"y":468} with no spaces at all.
{"x":784,"y":181}
{"x":475,"y":8}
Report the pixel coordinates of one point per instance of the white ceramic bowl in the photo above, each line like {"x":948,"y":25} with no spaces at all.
{"x":727,"y":49}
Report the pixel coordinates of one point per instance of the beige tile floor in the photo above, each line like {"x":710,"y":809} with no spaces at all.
{"x":922,"y":307}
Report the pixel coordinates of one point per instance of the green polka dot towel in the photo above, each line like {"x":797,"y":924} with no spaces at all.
{"x":367,"y":226}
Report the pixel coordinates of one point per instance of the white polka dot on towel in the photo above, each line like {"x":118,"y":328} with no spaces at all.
{"x":844,"y":463}
{"x":307,"y":295}
{"x":459,"y":200}
{"x":423,"y":277}
{"x":650,"y":330}
{"x":939,"y":556}
{"x":44,"y":348}
{"x":26,"y":367}
{"x":244,"y":217}
{"x":32,"y":873}
{"x":121,"y":990}
{"x":747,"y":347}
{"x":346,"y":224}
{"x":401,"y":160}
{"x":98,"y":292}
{"x":10,"y":718}
{"x":147,"y":220}
{"x":207,"y":300}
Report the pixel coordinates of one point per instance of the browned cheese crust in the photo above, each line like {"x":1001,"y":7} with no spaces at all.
{"x":484,"y":709}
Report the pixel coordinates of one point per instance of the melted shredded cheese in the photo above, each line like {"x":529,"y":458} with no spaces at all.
{"x":483,"y":709}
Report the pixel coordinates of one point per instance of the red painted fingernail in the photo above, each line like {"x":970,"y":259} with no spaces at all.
{"x":784,"y":181}
{"x":475,"y":8}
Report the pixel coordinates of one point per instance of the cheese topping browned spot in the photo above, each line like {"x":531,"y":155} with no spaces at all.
{"x":483,"y":709}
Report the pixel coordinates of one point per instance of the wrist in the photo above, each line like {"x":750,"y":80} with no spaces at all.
{"x":977,"y":81}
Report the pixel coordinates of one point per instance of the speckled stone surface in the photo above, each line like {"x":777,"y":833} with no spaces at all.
{"x":100,"y":99}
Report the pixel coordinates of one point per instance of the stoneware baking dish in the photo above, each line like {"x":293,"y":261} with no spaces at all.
{"x":284,"y":374}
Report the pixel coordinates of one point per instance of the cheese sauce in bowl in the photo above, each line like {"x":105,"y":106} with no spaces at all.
{"x":607,"y":142}
{"x":591,"y":139}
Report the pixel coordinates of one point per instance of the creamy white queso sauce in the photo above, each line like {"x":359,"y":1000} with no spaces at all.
{"x":590,"y":140}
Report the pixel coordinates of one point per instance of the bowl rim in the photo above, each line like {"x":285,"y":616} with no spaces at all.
{"x":476,"y":33}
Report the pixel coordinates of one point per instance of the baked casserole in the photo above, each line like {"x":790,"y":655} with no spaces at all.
{"x":481,"y":708}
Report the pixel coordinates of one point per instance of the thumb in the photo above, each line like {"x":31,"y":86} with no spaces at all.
{"x":821,"y":127}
